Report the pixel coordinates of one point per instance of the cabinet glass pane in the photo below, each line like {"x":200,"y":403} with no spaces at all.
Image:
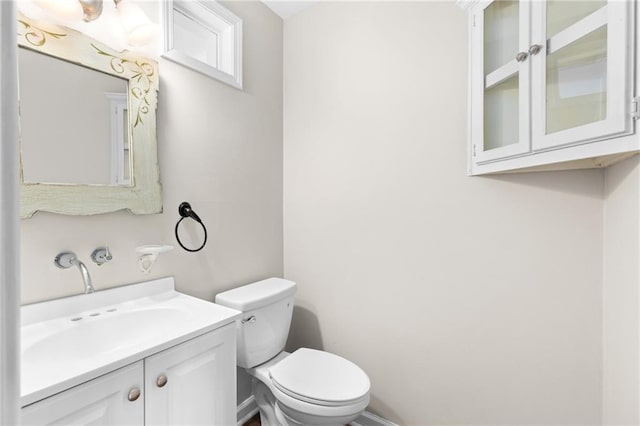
{"x":562,"y":13}
{"x":500,"y":34}
{"x":577,"y":83}
{"x":501,"y":114}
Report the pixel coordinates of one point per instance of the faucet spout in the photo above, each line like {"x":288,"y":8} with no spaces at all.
{"x":86,"y":278}
{"x":68,"y":259}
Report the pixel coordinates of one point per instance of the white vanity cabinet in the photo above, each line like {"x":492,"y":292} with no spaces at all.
{"x":193,"y":383}
{"x":113,"y":399}
{"x":551,"y":84}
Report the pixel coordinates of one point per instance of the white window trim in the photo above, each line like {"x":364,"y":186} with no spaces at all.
{"x":220,"y":21}
{"x":118,"y":108}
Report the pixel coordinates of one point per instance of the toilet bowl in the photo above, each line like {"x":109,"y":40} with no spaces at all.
{"x":306,"y":387}
{"x":311,"y":387}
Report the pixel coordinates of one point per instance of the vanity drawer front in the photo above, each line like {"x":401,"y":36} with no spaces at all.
{"x":113,"y":399}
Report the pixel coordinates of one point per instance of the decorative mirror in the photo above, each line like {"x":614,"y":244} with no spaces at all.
{"x":87,"y":125}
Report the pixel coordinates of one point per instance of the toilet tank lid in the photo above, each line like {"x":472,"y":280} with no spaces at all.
{"x":262,"y":293}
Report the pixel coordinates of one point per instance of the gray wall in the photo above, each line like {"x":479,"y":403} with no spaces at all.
{"x":220,"y":149}
{"x":621,"y":275}
{"x":466,"y":300}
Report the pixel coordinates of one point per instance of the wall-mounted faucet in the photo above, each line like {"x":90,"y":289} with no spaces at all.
{"x":68,"y":259}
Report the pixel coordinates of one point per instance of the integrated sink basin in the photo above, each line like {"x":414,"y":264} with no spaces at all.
{"x":98,"y":333}
{"x":68,"y":341}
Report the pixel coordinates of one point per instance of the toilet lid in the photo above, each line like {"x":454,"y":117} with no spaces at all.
{"x":320,"y":377}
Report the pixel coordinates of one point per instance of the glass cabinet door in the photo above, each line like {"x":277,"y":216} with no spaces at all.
{"x":580,"y":71}
{"x":500,"y":87}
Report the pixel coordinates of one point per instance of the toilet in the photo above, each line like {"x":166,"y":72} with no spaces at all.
{"x":305,"y":387}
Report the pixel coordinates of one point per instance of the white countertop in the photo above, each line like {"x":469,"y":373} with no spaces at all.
{"x":69,"y":341}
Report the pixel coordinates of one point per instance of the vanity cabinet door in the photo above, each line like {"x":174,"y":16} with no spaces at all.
{"x":193,"y":383}
{"x":113,"y":399}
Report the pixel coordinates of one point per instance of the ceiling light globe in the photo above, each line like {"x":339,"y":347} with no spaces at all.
{"x":62,"y":9}
{"x":139,"y":28}
{"x":92,"y":9}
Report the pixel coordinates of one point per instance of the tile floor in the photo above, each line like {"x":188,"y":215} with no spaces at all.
{"x":253,"y":421}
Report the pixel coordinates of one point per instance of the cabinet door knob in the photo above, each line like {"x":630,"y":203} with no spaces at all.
{"x":521,"y":56}
{"x":161,"y":380}
{"x":134,"y":394}
{"x":535,"y":49}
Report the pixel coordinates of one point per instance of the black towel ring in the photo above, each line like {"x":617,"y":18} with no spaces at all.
{"x":186,"y":211}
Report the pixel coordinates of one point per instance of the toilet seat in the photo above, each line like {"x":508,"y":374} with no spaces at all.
{"x":320,"y":378}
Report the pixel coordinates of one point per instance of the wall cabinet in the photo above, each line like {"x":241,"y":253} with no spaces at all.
{"x":191,"y":383}
{"x":551,"y":82}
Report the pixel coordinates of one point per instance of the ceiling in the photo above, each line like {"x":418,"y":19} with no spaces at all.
{"x":287,"y":8}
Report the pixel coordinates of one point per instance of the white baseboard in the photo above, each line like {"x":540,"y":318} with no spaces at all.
{"x":370,"y":419}
{"x":248,"y":409}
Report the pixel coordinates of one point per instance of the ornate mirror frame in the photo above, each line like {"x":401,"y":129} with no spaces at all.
{"x":145,"y":194}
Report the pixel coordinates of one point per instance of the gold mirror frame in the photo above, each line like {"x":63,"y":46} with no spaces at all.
{"x":145,"y":194}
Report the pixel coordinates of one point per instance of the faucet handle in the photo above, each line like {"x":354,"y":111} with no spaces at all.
{"x":107,"y":255}
{"x":65,"y":259}
{"x":101,"y":255}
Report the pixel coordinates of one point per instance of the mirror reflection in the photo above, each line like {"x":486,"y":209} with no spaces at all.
{"x":74,"y":123}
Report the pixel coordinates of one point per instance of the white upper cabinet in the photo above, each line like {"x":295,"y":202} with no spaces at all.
{"x":581,"y":86}
{"x":501,"y":74}
{"x":550,"y":84}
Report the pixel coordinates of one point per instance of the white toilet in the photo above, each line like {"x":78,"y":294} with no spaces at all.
{"x":306,"y":387}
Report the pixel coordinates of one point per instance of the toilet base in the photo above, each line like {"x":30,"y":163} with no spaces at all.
{"x":272,"y":413}
{"x":296,"y":418}
{"x":267,"y":404}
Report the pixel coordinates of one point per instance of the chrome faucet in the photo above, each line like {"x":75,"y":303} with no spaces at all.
{"x":66,"y":260}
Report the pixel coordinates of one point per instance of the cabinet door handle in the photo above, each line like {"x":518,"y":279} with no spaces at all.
{"x":521,"y":56}
{"x":535,"y":49}
{"x":134,"y":394}
{"x":161,"y":380}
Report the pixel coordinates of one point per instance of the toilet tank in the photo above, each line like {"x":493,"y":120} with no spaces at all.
{"x":267,"y":307}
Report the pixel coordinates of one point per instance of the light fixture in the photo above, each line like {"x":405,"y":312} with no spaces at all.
{"x":139,"y":28}
{"x":61,"y":9}
{"x":88,"y":10}
{"x":92,"y":9}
